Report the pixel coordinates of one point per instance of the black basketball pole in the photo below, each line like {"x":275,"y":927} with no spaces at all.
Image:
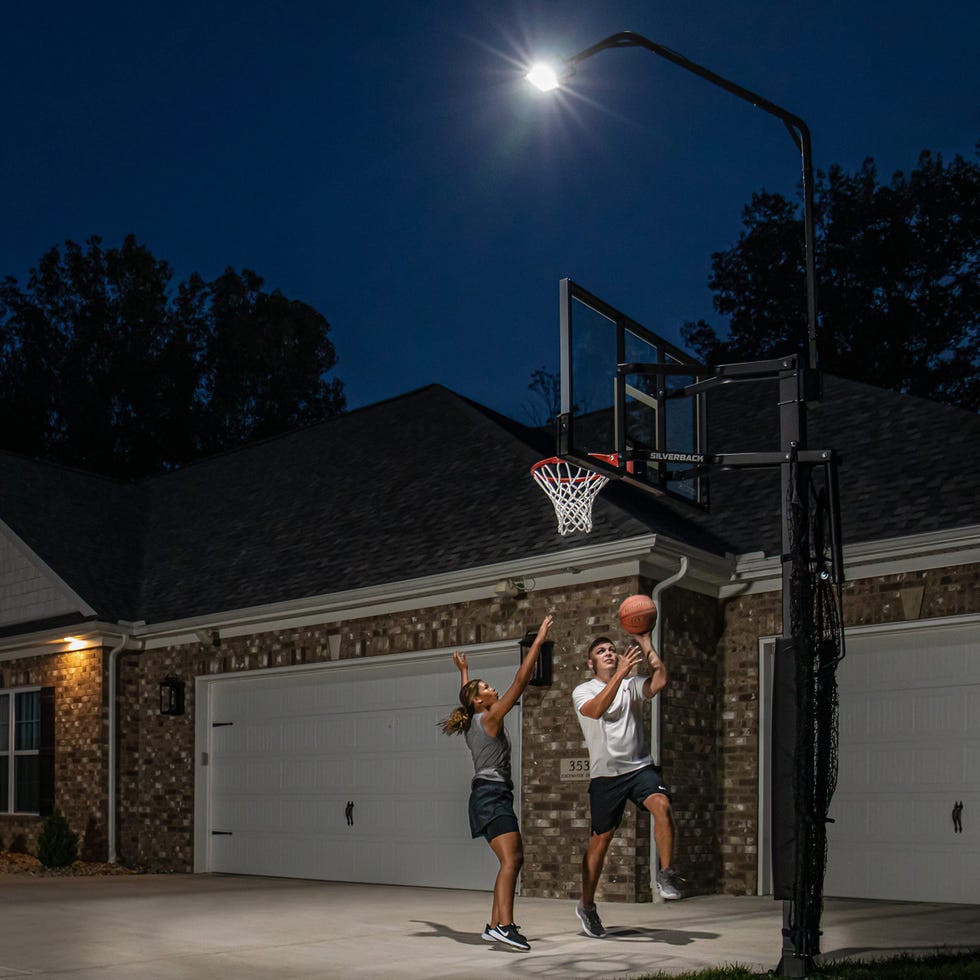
{"x":795,"y":650}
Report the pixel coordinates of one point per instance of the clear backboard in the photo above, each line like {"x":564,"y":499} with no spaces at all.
{"x":627,"y":408}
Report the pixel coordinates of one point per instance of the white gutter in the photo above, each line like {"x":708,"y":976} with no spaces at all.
{"x":655,"y":713}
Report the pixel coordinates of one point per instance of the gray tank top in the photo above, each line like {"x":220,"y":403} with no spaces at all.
{"x":491,"y":756}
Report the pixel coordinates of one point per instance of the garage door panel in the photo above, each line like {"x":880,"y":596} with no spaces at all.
{"x":264,"y":773}
{"x":374,"y":732}
{"x":309,"y":814}
{"x":890,"y":715}
{"x":298,"y":747}
{"x":231,"y":778}
{"x":938,"y":765}
{"x":846,"y":877}
{"x":910,"y":704}
{"x":244,"y":813}
{"x":244,"y":853}
{"x":971,"y":766}
{"x":254,"y":736}
{"x":908,"y":662}
{"x":335,"y":731}
{"x":941,"y":713}
{"x":298,"y":734}
{"x":889,"y":767}
{"x":971,"y":711}
{"x":260,"y":704}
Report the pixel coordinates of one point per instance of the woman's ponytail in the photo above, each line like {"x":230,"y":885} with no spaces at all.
{"x":459,"y":719}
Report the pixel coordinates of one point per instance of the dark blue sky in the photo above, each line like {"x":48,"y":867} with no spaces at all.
{"x":386,"y":162}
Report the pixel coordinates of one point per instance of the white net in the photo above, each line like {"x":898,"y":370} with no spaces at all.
{"x":572,"y":489}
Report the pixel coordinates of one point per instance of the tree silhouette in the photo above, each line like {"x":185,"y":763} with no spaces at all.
{"x":106,"y":365}
{"x":898,"y":268}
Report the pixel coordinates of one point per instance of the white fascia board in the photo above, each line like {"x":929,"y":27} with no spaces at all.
{"x":868,"y":559}
{"x":19,"y":545}
{"x":94,"y":633}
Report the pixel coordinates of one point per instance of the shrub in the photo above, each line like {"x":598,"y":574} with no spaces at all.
{"x":57,"y":844}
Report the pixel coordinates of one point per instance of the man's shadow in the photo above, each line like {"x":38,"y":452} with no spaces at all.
{"x":672,"y":937}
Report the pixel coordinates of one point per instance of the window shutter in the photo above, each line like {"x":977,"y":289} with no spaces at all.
{"x":45,"y":761}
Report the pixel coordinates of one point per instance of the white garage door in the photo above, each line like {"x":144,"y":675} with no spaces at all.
{"x":909,"y":752}
{"x":341,"y":773}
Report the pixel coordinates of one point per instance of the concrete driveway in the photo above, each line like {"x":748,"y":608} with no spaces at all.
{"x":164,"y":927}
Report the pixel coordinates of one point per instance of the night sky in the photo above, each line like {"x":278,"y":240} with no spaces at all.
{"x":388,"y":164}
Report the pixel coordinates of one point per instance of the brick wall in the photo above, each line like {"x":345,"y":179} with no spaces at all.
{"x":745,"y":620}
{"x":689,"y":733}
{"x":81,"y":763}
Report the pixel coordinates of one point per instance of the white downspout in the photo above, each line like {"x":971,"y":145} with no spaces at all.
{"x":113,"y":762}
{"x":655,"y":714}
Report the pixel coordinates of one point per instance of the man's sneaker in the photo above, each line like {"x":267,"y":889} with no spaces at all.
{"x":591,"y":922}
{"x":667,"y":884}
{"x":510,"y":935}
{"x":490,"y":933}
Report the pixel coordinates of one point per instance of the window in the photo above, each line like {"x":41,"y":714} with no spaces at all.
{"x":21,"y":751}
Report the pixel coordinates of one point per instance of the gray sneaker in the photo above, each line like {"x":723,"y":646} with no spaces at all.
{"x":668,"y":881}
{"x":591,"y":922}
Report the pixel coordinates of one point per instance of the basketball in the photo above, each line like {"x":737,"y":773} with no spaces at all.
{"x":638,"y":614}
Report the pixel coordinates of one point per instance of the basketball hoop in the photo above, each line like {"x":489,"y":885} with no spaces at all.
{"x":572,"y":490}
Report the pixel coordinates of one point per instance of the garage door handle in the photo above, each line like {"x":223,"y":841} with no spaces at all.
{"x":958,"y":817}
{"x":349,"y":813}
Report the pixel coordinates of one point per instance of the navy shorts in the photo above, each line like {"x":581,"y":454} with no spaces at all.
{"x":608,"y":795}
{"x":492,"y":809}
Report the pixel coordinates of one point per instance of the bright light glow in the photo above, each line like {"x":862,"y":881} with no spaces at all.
{"x":543,"y":76}
{"x":74,"y":643}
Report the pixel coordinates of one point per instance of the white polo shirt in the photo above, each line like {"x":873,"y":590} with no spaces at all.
{"x":617,"y":741}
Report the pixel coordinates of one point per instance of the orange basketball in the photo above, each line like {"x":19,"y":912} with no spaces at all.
{"x":638,"y":614}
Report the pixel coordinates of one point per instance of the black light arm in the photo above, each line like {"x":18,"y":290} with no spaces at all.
{"x":798,"y":130}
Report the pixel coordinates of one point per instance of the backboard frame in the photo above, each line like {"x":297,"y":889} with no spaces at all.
{"x":636,"y":389}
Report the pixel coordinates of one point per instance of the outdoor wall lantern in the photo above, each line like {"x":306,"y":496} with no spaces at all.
{"x":542,"y":669}
{"x":171,"y":695}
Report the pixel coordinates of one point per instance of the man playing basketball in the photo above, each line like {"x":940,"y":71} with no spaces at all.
{"x":609,"y":708}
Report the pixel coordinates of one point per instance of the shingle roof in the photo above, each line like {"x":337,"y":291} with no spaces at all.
{"x":86,"y":528}
{"x":422,"y":484}
{"x":432,"y":482}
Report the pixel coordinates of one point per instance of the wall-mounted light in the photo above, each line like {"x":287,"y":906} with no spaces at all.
{"x":209,"y":637}
{"x":171,"y":695}
{"x":513,"y":588}
{"x":543,"y":667}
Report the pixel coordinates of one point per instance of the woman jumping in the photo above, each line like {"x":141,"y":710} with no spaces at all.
{"x":481,"y":719}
